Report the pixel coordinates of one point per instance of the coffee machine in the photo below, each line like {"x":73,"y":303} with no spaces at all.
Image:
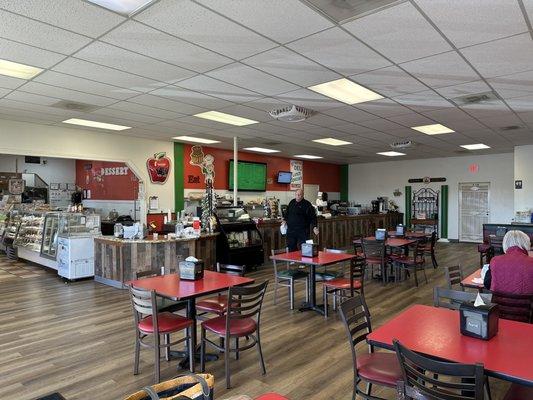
{"x":375,"y":206}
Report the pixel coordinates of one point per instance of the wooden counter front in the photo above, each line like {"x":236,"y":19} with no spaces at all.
{"x":116,"y":260}
{"x":335,"y":232}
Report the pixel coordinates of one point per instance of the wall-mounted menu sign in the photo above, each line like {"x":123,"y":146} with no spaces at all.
{"x":426,"y":180}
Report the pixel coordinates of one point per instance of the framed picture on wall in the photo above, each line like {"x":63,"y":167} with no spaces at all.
{"x":71,"y":186}
{"x":54,"y":186}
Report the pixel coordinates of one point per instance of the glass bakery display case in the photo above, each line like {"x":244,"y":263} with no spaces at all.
{"x":50,"y":231}
{"x":12,"y":226}
{"x":239,"y":241}
{"x":78,"y":224}
{"x":30,"y":231}
{"x":4,"y":218}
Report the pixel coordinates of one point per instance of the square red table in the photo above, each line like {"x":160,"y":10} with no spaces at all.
{"x":469,"y":280}
{"x":435,"y":332}
{"x":323,"y":259}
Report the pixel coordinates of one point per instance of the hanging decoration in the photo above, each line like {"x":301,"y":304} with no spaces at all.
{"x":208,"y":207}
{"x":158,"y":167}
{"x":206,"y":162}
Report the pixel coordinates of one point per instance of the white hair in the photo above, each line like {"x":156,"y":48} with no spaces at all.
{"x":516,"y":238}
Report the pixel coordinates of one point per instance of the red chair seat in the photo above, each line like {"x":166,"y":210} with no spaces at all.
{"x":238,"y":327}
{"x":379,"y":367}
{"x":406,"y":260}
{"x":271,"y":396}
{"x":215,"y":305}
{"x":372,"y":260}
{"x":483,"y":248}
{"x":167,"y":321}
{"x":342,"y":283}
{"x":519,"y":392}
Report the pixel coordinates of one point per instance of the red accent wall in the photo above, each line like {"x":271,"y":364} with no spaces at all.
{"x":106,"y":180}
{"x":323,"y":174}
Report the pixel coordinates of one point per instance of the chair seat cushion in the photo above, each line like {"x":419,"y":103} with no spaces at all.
{"x":406,"y":260}
{"x":379,"y":367}
{"x":483,"y":248}
{"x":271,"y":396}
{"x":342,"y":283}
{"x":167,"y":321}
{"x":238,"y":327}
{"x":326,"y":276}
{"x":292,"y":274}
{"x":216,"y":305}
{"x":519,"y":392}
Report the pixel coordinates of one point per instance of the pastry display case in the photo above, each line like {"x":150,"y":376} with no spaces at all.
{"x":12,"y":227}
{"x":30,"y":231}
{"x":78,"y":224}
{"x":50,"y":231}
{"x":239,"y":242}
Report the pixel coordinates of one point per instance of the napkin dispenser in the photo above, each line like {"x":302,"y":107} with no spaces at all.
{"x":479,"y":322}
{"x":381,"y":234}
{"x":400,"y":230}
{"x":191,"y":270}
{"x":309,"y":250}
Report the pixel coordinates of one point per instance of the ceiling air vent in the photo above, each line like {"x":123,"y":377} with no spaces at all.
{"x":291,"y":113}
{"x":475,"y":98}
{"x":510,"y":128}
{"x":73,"y":106}
{"x":342,"y":11}
{"x":402,"y":145}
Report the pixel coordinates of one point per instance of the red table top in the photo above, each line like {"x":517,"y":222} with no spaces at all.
{"x":409,"y":234}
{"x":172,"y":287}
{"x":391,"y":242}
{"x":468,"y":281}
{"x":322,"y":259}
{"x":435,"y":332}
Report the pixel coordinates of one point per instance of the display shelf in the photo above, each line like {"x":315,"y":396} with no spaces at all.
{"x":50,"y":231}
{"x":30,"y":231}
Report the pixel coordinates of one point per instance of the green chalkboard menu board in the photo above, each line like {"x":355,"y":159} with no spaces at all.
{"x":252,"y":176}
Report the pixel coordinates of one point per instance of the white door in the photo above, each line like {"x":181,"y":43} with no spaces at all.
{"x":473,"y":211}
{"x":311,"y":193}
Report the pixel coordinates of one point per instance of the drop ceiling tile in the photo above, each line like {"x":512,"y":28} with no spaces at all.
{"x":84,"y":85}
{"x":493,"y":108}
{"x":502,"y":57}
{"x":324,"y":120}
{"x":276,"y":128}
{"x":213,"y":125}
{"x":444,"y":69}
{"x":205,"y":28}
{"x":353,"y":129}
{"x":216,"y":88}
{"x":383,"y":108}
{"x":52,"y":112}
{"x":15,"y":108}
{"x":26,"y":117}
{"x":108,"y":119}
{"x":177,"y":128}
{"x":464,"y":89}
{"x":424,"y":101}
{"x":350,"y":114}
{"x":281,"y":20}
{"x":515,"y":85}
{"x":526,"y":116}
{"x":3,"y":92}
{"x":266,"y":104}
{"x":528,"y":4}
{"x":100,"y":73}
{"x":191,"y":97}
{"x":127,"y":61}
{"x":78,"y":16}
{"x":447,"y":115}
{"x":380,"y":125}
{"x":310,"y":99}
{"x":247,"y":112}
{"x":32,"y":98}
{"x":8,"y":82}
{"x":66,"y":94}
{"x":389,"y":82}
{"x":521,"y":104}
{"x":501,"y":121}
{"x":252,"y":79}
{"x":296,"y":126}
{"x":414,"y":119}
{"x":153,"y":43}
{"x":24,"y":54}
{"x":145,"y":110}
{"x":166,"y":104}
{"x":38,"y":34}
{"x":400,"y":33}
{"x":339,"y":51}
{"x":469,"y":22}
{"x":292,"y":67}
{"x":128,"y":116}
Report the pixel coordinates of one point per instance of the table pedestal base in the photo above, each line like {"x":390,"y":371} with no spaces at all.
{"x":319,"y":308}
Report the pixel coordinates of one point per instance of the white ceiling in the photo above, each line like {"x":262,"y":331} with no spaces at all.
{"x":153,"y":71}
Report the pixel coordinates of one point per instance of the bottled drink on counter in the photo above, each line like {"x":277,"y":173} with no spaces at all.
{"x":196,"y":225}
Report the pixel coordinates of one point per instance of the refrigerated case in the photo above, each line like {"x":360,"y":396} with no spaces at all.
{"x":30,"y":231}
{"x":50,"y":231}
{"x":239,"y":241}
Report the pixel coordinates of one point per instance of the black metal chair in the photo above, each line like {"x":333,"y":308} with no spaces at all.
{"x":343,"y":288}
{"x":438,"y":380}
{"x":516,"y":307}
{"x":429,"y":248}
{"x":414,"y":262}
{"x":451,"y":299}
{"x":454,"y":276}
{"x":376,"y":254}
{"x":380,"y":368}
{"x":242,"y":319}
{"x":163,"y":304}
{"x":288,"y":277}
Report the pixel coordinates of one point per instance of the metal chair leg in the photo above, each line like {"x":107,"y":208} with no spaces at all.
{"x":307,"y":291}
{"x":191,"y":353}
{"x":167,"y":348}
{"x":291,"y":293}
{"x":157,"y":351}
{"x":369,"y":389}
{"x":325,"y":300}
{"x":237,"y":348}
{"x":260,"y":351}
{"x":276,"y":290}
{"x":137,"y":354}
{"x":227,"y":346}
{"x":202,"y":351}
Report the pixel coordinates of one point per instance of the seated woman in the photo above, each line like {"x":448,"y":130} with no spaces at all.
{"x":512,"y":272}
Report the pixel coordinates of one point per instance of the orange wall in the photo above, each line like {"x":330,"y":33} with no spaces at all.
{"x":325,"y":175}
{"x":110,"y":184}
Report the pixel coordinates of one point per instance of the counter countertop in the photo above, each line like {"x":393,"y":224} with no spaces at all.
{"x":149,"y":239}
{"x":322,"y":218}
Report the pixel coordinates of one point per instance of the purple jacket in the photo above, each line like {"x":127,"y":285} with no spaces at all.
{"x":512,"y":272}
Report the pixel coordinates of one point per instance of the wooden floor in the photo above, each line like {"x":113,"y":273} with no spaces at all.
{"x":77,"y":338}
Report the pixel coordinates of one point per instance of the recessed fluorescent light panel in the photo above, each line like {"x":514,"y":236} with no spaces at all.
{"x":195,"y":139}
{"x":124,"y":7}
{"x":96,"y":124}
{"x":391,"y":154}
{"x":477,"y":146}
{"x":332,"y":141}
{"x":225,"y":118}
{"x":261,"y":150}
{"x":307,"y":156}
{"x":434,"y":129}
{"x":346,"y":91}
{"x":17,"y":70}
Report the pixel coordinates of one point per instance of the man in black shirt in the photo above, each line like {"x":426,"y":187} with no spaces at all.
{"x":300,"y":217}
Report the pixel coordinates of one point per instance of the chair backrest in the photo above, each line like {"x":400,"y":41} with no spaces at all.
{"x":357,"y":273}
{"x":147,"y":274}
{"x":143,"y":302}
{"x":517,"y":307}
{"x":374,"y":248}
{"x":417,"y":251}
{"x":452,"y":299}
{"x":355,"y":317}
{"x":274,"y":262}
{"x":245,"y":302}
{"x":440,"y":380}
{"x":238,"y":270}
{"x":496,"y":244}
{"x":357,"y":244}
{"x":433,"y":239}
{"x":404,"y":392}
{"x":454,"y":276}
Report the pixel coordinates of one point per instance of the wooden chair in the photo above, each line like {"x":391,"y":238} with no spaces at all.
{"x":451,"y":299}
{"x":343,"y":288}
{"x":375,"y":254}
{"x":242,"y":319}
{"x":429,"y":248}
{"x":454,"y":276}
{"x":163,"y":304}
{"x":380,"y":368}
{"x":287,"y":277}
{"x":415,"y":262}
{"x":148,"y":321}
{"x":516,"y":307}
{"x":219,"y":303}
{"x":436,"y":380}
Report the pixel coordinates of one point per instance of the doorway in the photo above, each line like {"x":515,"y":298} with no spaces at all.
{"x":473,"y":210}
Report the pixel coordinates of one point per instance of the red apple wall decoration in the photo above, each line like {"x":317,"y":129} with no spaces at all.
{"x":158,"y":167}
